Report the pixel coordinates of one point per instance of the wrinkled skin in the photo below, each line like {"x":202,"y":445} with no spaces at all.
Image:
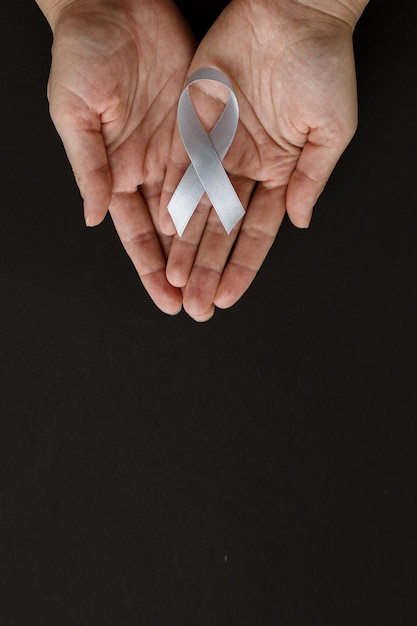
{"x":117,"y":72}
{"x":292,"y":69}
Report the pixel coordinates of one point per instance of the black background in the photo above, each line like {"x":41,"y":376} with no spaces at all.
{"x":258,"y":469}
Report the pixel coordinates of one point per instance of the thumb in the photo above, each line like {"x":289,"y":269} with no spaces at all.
{"x":307,"y":181}
{"x":80,"y":131}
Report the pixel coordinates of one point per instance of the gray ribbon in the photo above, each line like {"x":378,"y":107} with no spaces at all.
{"x":206,"y":152}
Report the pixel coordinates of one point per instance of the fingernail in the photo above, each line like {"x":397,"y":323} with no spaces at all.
{"x":308,"y":220}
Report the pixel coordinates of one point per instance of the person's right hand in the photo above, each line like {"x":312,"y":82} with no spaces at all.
{"x":117,"y":71}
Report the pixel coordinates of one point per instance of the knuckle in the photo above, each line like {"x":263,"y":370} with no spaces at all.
{"x":339,"y":132}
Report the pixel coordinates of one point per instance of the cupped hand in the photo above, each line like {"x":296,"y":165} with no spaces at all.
{"x":117,"y":71}
{"x":292,"y":69}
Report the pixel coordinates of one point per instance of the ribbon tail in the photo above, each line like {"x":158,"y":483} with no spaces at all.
{"x":185,"y":199}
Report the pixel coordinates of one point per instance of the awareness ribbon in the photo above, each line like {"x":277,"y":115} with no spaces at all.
{"x":206,"y":152}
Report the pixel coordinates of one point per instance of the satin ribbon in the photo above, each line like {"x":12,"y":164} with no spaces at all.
{"x":206,"y":152}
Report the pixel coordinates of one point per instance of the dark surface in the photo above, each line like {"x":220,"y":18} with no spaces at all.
{"x":259,"y":469}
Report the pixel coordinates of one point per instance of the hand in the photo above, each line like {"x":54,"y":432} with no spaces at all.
{"x":117,"y":72}
{"x":292,"y":69}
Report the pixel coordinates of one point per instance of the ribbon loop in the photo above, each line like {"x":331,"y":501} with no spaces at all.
{"x":206,"y":151}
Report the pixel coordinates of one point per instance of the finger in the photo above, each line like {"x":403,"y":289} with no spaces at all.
{"x":184,"y":249}
{"x":198,"y":294}
{"x":178,"y":162}
{"x":86,"y":151}
{"x":151,"y":193}
{"x":257,"y":234}
{"x":307,"y":181}
{"x":213,"y":252}
{"x":139,"y":238}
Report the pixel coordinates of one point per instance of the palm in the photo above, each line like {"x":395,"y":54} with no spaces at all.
{"x":296,"y":90}
{"x":115,"y":80}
